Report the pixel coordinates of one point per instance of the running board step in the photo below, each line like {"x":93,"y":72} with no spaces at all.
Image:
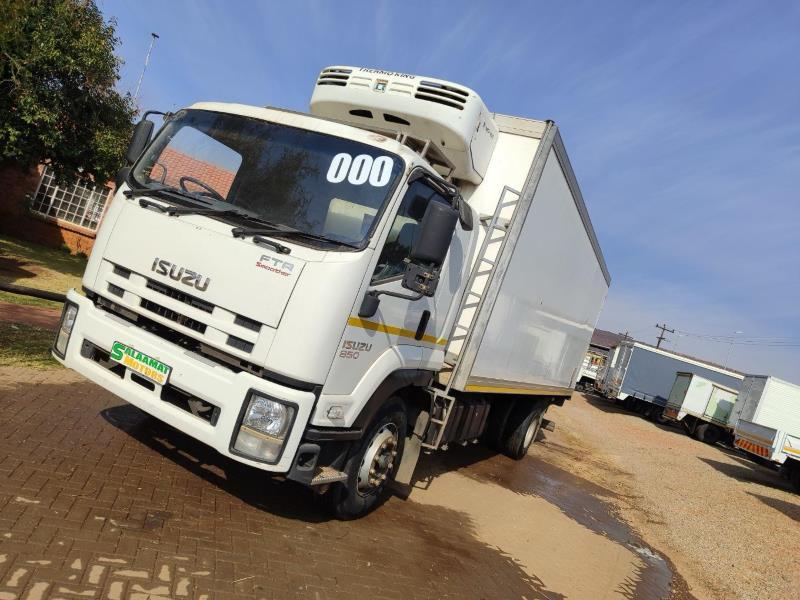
{"x":324,"y":475}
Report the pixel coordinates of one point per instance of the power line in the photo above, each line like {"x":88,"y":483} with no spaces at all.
{"x":777,"y":341}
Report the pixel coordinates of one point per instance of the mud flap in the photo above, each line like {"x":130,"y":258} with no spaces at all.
{"x":401,"y":485}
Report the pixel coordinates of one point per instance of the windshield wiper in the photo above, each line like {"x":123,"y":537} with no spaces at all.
{"x":274,"y":229}
{"x":176,"y":211}
{"x":170,"y":192}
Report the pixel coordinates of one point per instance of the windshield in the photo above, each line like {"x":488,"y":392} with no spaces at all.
{"x":320,"y":184}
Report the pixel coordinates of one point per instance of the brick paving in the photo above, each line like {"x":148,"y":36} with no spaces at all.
{"x":38,"y":316}
{"x":97,"y":500}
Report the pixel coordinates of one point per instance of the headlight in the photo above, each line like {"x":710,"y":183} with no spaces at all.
{"x":264,"y":427}
{"x":65,"y":329}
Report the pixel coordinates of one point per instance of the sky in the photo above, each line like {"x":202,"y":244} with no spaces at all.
{"x":682,"y":121}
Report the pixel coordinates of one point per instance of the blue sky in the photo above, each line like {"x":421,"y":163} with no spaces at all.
{"x":682,"y":120}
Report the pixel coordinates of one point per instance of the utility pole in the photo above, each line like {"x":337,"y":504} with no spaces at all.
{"x":153,"y":38}
{"x":663,"y":329}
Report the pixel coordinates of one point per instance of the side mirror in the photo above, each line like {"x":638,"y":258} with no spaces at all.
{"x":435,"y":234}
{"x":430,"y":249}
{"x":141,"y":137}
{"x":369,"y":305}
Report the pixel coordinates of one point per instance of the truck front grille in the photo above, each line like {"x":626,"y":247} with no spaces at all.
{"x":180,"y":296}
{"x":178,"y":318}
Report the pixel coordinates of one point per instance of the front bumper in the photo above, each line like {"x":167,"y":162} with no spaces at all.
{"x":191,"y":374}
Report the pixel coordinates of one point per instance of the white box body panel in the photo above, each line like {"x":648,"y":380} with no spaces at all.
{"x":544,"y":294}
{"x":770,"y":418}
{"x":648,"y":373}
{"x":703,"y":399}
{"x":546,"y":311}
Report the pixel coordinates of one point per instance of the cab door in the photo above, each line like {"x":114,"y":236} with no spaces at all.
{"x":403,"y":333}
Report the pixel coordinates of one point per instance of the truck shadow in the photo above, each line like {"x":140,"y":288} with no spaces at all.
{"x":253,"y":486}
{"x":748,"y":472}
{"x":458,"y":457}
{"x":610,"y":406}
{"x":790,"y":510}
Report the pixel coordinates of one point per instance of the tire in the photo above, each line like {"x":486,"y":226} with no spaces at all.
{"x":699,"y":432}
{"x":657,"y":415}
{"x":524,"y":424}
{"x":711,"y":435}
{"x":794,"y":476}
{"x":384,"y":442}
{"x":499,"y":413}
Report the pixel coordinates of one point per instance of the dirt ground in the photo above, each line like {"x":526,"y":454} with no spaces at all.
{"x":98,"y":500}
{"x":730,"y":526}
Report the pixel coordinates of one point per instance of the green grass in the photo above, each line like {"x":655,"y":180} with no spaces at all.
{"x":26,"y":346}
{"x":32,"y":265}
{"x":28,"y":300}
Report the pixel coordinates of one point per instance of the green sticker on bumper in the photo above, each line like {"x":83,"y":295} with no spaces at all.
{"x":146,"y":366}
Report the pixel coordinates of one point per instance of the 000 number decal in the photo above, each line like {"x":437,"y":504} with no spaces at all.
{"x":361,"y":169}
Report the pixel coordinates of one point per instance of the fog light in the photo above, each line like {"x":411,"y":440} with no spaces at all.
{"x":65,"y":329}
{"x":265,"y":425}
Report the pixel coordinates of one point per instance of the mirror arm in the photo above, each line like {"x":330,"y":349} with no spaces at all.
{"x":369,"y":305}
{"x":413,"y":297}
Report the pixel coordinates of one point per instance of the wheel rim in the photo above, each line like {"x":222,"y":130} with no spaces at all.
{"x":531,"y":431}
{"x":378,"y":460}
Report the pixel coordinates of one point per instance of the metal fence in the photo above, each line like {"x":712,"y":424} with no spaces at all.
{"x":79,"y":202}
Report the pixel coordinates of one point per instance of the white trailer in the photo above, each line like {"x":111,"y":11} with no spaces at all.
{"x":641,"y":376}
{"x":703,"y":407}
{"x":769,"y":422}
{"x":327,"y":295}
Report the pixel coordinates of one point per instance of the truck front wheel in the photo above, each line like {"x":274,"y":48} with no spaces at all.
{"x":372,"y":464}
{"x":524,"y":424}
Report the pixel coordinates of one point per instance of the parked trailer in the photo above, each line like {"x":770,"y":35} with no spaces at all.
{"x":704,"y":408}
{"x":326,"y":295}
{"x":641,"y":376}
{"x":769,"y":423}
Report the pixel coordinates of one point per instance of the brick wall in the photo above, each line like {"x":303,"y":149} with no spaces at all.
{"x":16,"y":188}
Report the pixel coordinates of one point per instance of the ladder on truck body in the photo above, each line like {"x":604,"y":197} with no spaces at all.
{"x":496,"y":233}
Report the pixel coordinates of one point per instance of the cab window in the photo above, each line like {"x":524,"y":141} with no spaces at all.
{"x":404,"y":231}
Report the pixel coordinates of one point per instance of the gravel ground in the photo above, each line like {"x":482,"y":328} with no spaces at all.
{"x":731,"y":527}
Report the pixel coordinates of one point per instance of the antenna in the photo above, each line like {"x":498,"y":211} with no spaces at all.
{"x":153,"y":38}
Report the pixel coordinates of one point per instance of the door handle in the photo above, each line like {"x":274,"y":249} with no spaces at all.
{"x":423,"y":324}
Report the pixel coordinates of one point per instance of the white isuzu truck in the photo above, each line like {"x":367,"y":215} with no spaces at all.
{"x":327,"y":295}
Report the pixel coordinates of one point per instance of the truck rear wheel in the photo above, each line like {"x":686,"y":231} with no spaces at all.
{"x":708,"y":433}
{"x":524,"y":424}
{"x":657,"y":415}
{"x":794,"y":475}
{"x":372,"y":464}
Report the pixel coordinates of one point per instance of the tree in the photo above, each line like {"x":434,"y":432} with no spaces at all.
{"x":58,"y":102}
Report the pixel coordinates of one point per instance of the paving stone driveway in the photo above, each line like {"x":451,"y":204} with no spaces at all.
{"x":97,"y":500}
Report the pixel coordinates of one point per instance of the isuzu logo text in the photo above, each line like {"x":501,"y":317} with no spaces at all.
{"x":180,"y":274}
{"x":275,"y":265}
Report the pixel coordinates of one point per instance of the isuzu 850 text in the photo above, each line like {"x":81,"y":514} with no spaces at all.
{"x":327,"y":295}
